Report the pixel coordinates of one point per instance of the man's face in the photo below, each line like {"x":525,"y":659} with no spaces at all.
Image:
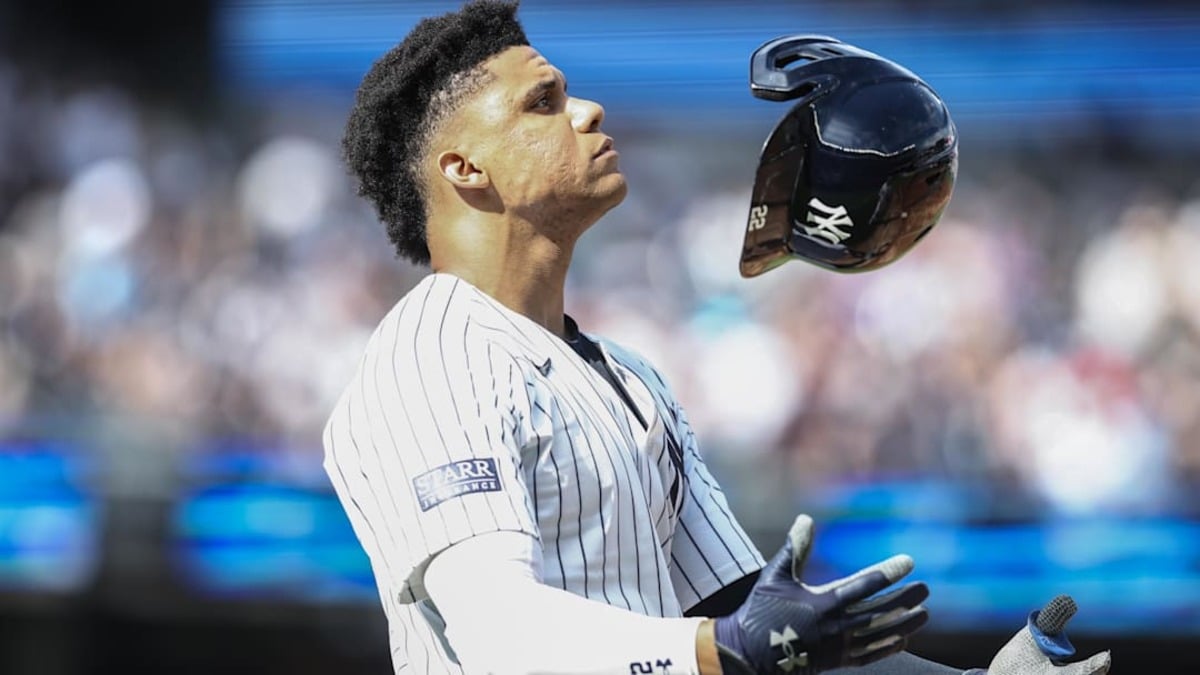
{"x":542,"y":149}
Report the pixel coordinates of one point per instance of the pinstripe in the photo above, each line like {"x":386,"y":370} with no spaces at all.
{"x":610,"y":447}
{"x":454,"y":403}
{"x":393,"y":609}
{"x":579,"y":413}
{"x":388,"y":600}
{"x":407,"y":635}
{"x":638,"y":562}
{"x":614,"y":445}
{"x":717,"y":536}
{"x":518,"y":473}
{"x":599,"y":509}
{"x":559,"y":511}
{"x":373,"y":536}
{"x":556,"y":413}
{"x":428,"y":398}
{"x":666,"y":503}
{"x":390,"y":605}
{"x":687,"y":533}
{"x":366,"y":410}
{"x":716,"y":532}
{"x":669,"y":436}
{"x":687,"y":579}
{"x":616,"y":412}
{"x":713,"y":491}
{"x":416,"y":443}
{"x":537,"y":454}
{"x":407,"y":613}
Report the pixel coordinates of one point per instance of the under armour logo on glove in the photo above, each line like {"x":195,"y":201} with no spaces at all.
{"x":829,"y":221}
{"x":790,"y":658}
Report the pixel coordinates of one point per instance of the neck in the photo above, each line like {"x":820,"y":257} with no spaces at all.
{"x":522,"y":269}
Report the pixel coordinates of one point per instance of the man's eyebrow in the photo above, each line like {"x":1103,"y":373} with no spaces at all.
{"x":544,"y":86}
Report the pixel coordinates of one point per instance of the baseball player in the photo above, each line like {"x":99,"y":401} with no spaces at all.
{"x":531,"y":497}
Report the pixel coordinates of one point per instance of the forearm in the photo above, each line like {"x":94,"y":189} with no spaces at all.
{"x":707,"y":661}
{"x":508,"y":622}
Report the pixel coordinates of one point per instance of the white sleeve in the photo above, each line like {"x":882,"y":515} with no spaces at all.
{"x":501,"y":619}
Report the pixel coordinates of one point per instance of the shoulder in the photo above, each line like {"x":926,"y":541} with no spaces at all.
{"x":637,"y":363}
{"x":438,"y":332}
{"x":437,"y":315}
{"x":428,"y":305}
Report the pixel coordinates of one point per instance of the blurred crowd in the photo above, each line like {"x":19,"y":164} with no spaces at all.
{"x":220,"y":280}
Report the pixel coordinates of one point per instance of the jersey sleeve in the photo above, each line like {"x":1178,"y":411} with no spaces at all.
{"x":710,"y":550}
{"x":425,"y":447}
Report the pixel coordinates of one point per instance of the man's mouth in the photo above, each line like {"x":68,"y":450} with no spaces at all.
{"x":604,"y":147}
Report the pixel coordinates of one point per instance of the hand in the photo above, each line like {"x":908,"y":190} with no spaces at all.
{"x":786,"y":626}
{"x":1042,"y":647}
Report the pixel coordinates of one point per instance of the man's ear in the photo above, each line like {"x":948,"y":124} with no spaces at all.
{"x":461,"y":172}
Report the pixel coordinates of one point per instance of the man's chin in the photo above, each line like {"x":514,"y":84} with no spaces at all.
{"x":615,"y":189}
{"x":608,"y":192}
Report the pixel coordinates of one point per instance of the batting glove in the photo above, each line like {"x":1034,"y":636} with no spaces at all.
{"x":1042,"y":647}
{"x":787,"y":626}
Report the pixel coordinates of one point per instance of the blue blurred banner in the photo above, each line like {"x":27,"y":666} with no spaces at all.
{"x":259,"y":527}
{"x":1130,"y":576}
{"x":49,"y":520}
{"x":686,"y":65}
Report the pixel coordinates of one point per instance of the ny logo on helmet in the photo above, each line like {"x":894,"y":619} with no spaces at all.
{"x":828,"y":222}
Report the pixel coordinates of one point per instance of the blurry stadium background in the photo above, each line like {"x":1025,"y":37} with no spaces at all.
{"x":187,"y":280}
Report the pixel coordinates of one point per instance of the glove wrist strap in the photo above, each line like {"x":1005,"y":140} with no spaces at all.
{"x":733,"y":664}
{"x":727,"y":635}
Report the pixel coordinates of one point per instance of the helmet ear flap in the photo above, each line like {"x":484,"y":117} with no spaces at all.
{"x":765,"y":245}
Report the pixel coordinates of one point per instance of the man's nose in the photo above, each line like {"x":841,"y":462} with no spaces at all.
{"x":586,"y":115}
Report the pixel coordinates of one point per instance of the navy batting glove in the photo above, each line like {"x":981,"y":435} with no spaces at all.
{"x":787,"y":626}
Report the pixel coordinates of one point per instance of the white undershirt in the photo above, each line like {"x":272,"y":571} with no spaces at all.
{"x":500,"y":618}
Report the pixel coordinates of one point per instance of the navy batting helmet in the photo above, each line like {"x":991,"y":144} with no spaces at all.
{"x":858,"y":170}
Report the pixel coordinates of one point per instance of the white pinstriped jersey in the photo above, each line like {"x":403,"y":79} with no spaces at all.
{"x":466,"y":418}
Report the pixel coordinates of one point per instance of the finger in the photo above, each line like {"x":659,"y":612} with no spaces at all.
{"x":868,"y":581}
{"x":893,"y":569}
{"x":902,"y":622}
{"x":875,"y":651}
{"x":779,"y":568}
{"x":1097,"y":665}
{"x":908,"y":595}
{"x":800,"y":538}
{"x":1053,"y":618}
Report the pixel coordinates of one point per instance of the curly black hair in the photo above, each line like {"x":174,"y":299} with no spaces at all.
{"x":403,"y":98}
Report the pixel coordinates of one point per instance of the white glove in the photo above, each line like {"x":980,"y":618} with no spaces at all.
{"x":1041,"y":647}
